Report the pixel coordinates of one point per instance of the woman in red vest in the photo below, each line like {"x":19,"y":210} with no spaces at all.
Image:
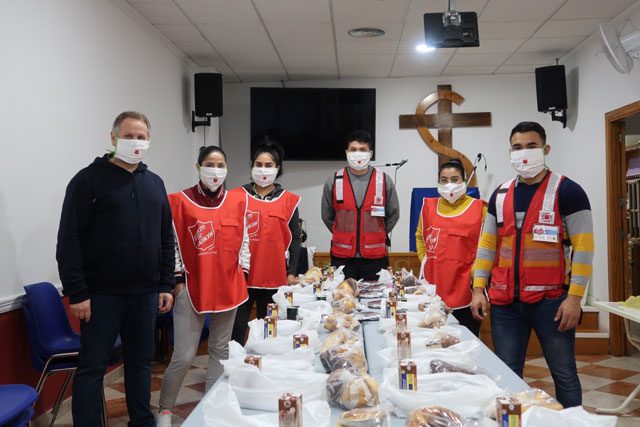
{"x":447,"y":240}
{"x":274,"y":234}
{"x":212,"y":256}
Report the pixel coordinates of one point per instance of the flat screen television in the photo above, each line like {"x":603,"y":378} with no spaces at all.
{"x":311,"y":123}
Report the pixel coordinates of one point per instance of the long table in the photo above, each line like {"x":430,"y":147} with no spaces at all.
{"x":373,"y":342}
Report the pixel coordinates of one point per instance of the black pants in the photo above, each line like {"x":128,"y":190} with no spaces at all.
{"x":134,"y":319}
{"x":361,"y":268}
{"x":465,"y":317}
{"x":261,"y":297}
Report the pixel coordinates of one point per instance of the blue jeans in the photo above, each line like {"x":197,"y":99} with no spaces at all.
{"x":133,"y":318}
{"x":510,"y":329}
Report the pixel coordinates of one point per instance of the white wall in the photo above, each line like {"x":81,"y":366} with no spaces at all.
{"x":509,"y":98}
{"x":594,"y":88}
{"x":68,"y":68}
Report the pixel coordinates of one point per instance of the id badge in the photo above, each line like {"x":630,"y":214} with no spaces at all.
{"x":546,"y":233}
{"x":546,"y":217}
{"x":377,"y":211}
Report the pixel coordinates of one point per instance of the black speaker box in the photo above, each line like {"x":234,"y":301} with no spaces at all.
{"x":551,"y":88}
{"x":208,"y":94}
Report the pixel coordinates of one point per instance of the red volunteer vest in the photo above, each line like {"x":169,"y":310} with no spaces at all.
{"x":538,"y":265}
{"x":451,"y":244}
{"x":356,"y":228}
{"x":269,"y":238}
{"x":209,"y":241}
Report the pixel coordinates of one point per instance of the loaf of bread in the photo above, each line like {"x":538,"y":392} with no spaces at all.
{"x":339,"y":336}
{"x":435,"y":416}
{"x":343,"y":302}
{"x":340,"y":320}
{"x":350,"y":390}
{"x":364,"y":417}
{"x":536,"y":397}
{"x":350,"y":285}
{"x":344,"y":356}
{"x":313,"y":275}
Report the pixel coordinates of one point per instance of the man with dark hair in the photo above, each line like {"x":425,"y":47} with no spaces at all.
{"x":115,"y":256}
{"x":360,"y":208}
{"x":535,"y":256}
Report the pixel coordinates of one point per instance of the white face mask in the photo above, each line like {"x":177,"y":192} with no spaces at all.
{"x":212,"y":178}
{"x":359,"y":160}
{"x":131,"y":150}
{"x":452,"y":192}
{"x":528,"y":163}
{"x":264,"y":177}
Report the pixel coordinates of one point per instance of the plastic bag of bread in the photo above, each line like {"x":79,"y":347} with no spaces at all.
{"x":344,"y":356}
{"x":439,"y":366}
{"x":350,"y":390}
{"x":350,"y":285}
{"x":340,"y":320}
{"x":364,"y":417}
{"x":313,"y":275}
{"x":435,"y":416}
{"x":433,"y":318}
{"x":536,"y":397}
{"x":339,"y":336}
{"x":344,"y":302}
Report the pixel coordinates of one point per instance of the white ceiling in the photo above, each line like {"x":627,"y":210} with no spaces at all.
{"x":267,"y":40}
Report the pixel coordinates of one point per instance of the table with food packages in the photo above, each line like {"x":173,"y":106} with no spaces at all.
{"x":335,"y":352}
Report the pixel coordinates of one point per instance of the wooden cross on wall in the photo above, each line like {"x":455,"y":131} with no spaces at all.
{"x":444,"y":121}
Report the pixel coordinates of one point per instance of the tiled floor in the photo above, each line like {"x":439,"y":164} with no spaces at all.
{"x":606,"y":382}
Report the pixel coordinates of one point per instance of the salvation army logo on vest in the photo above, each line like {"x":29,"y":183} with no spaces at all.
{"x":253,"y":223}
{"x":431,"y":240}
{"x":203,"y":236}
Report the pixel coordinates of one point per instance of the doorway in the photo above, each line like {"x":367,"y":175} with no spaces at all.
{"x":622,"y":127}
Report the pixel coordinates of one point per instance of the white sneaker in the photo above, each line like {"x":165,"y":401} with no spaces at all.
{"x":164,"y":418}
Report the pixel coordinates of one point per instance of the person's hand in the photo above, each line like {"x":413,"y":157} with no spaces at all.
{"x":81,"y":310}
{"x":479,"y":304}
{"x":177,"y":290}
{"x":291,"y":279}
{"x":569,"y":313}
{"x":165,"y":301}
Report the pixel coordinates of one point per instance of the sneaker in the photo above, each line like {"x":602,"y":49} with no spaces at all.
{"x":164,"y":418}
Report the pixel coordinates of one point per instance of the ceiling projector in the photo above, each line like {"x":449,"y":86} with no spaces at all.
{"x":451,"y":29}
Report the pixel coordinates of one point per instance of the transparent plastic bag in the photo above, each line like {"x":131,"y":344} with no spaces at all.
{"x":437,"y":416}
{"x":433,"y":318}
{"x":349,"y":285}
{"x":364,"y":417}
{"x":439,"y":366}
{"x":338,"y":320}
{"x":344,"y":302}
{"x":352,"y":389}
{"x":344,"y":356}
{"x":536,"y":397}
{"x":338,"y":337}
{"x":385,"y":277}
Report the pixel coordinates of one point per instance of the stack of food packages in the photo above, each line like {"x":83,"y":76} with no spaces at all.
{"x":431,"y":377}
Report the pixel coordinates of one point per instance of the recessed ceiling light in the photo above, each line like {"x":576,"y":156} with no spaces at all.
{"x":423,"y":48}
{"x":366,"y":32}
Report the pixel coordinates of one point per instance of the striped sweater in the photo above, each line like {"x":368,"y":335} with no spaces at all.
{"x":575,"y":210}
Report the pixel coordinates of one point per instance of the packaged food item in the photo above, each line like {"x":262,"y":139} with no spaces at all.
{"x":433,"y":318}
{"x":448,"y":340}
{"x":344,"y":356}
{"x":409,"y":280}
{"x":390,"y":311}
{"x":404,"y":344}
{"x":364,"y":417}
{"x":366,"y":316}
{"x":270,"y":327}
{"x":254,"y":360}
{"x":435,"y":416}
{"x":393,"y":296}
{"x":340,"y":320}
{"x":300,"y":340}
{"x":401,"y":319}
{"x":440,"y":366}
{"x":313,"y":274}
{"x":339,"y":336}
{"x":349,"y":285}
{"x":536,"y":397}
{"x":317,"y":288}
{"x":352,"y":389}
{"x":370,"y":294}
{"x":289,"y":296}
{"x":272,"y":310}
{"x":400,"y":291}
{"x":290,"y":410}
{"x":407,"y":375}
{"x":345,"y":304}
{"x":508,"y":412}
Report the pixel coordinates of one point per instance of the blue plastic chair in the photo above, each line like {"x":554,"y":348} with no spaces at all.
{"x":16,"y":404}
{"x":53,"y":345}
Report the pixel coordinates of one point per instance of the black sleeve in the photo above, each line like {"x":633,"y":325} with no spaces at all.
{"x":572,"y":198}
{"x":294,"y":249}
{"x":76,"y":213}
{"x":492,"y":202}
{"x":168,"y":261}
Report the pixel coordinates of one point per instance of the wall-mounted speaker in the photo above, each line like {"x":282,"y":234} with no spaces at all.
{"x":551,"y":88}
{"x":208,"y":94}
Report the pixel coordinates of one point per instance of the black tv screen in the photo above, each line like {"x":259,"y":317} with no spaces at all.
{"x":311,"y":123}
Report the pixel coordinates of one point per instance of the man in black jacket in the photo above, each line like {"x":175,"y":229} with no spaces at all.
{"x":115,"y":257}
